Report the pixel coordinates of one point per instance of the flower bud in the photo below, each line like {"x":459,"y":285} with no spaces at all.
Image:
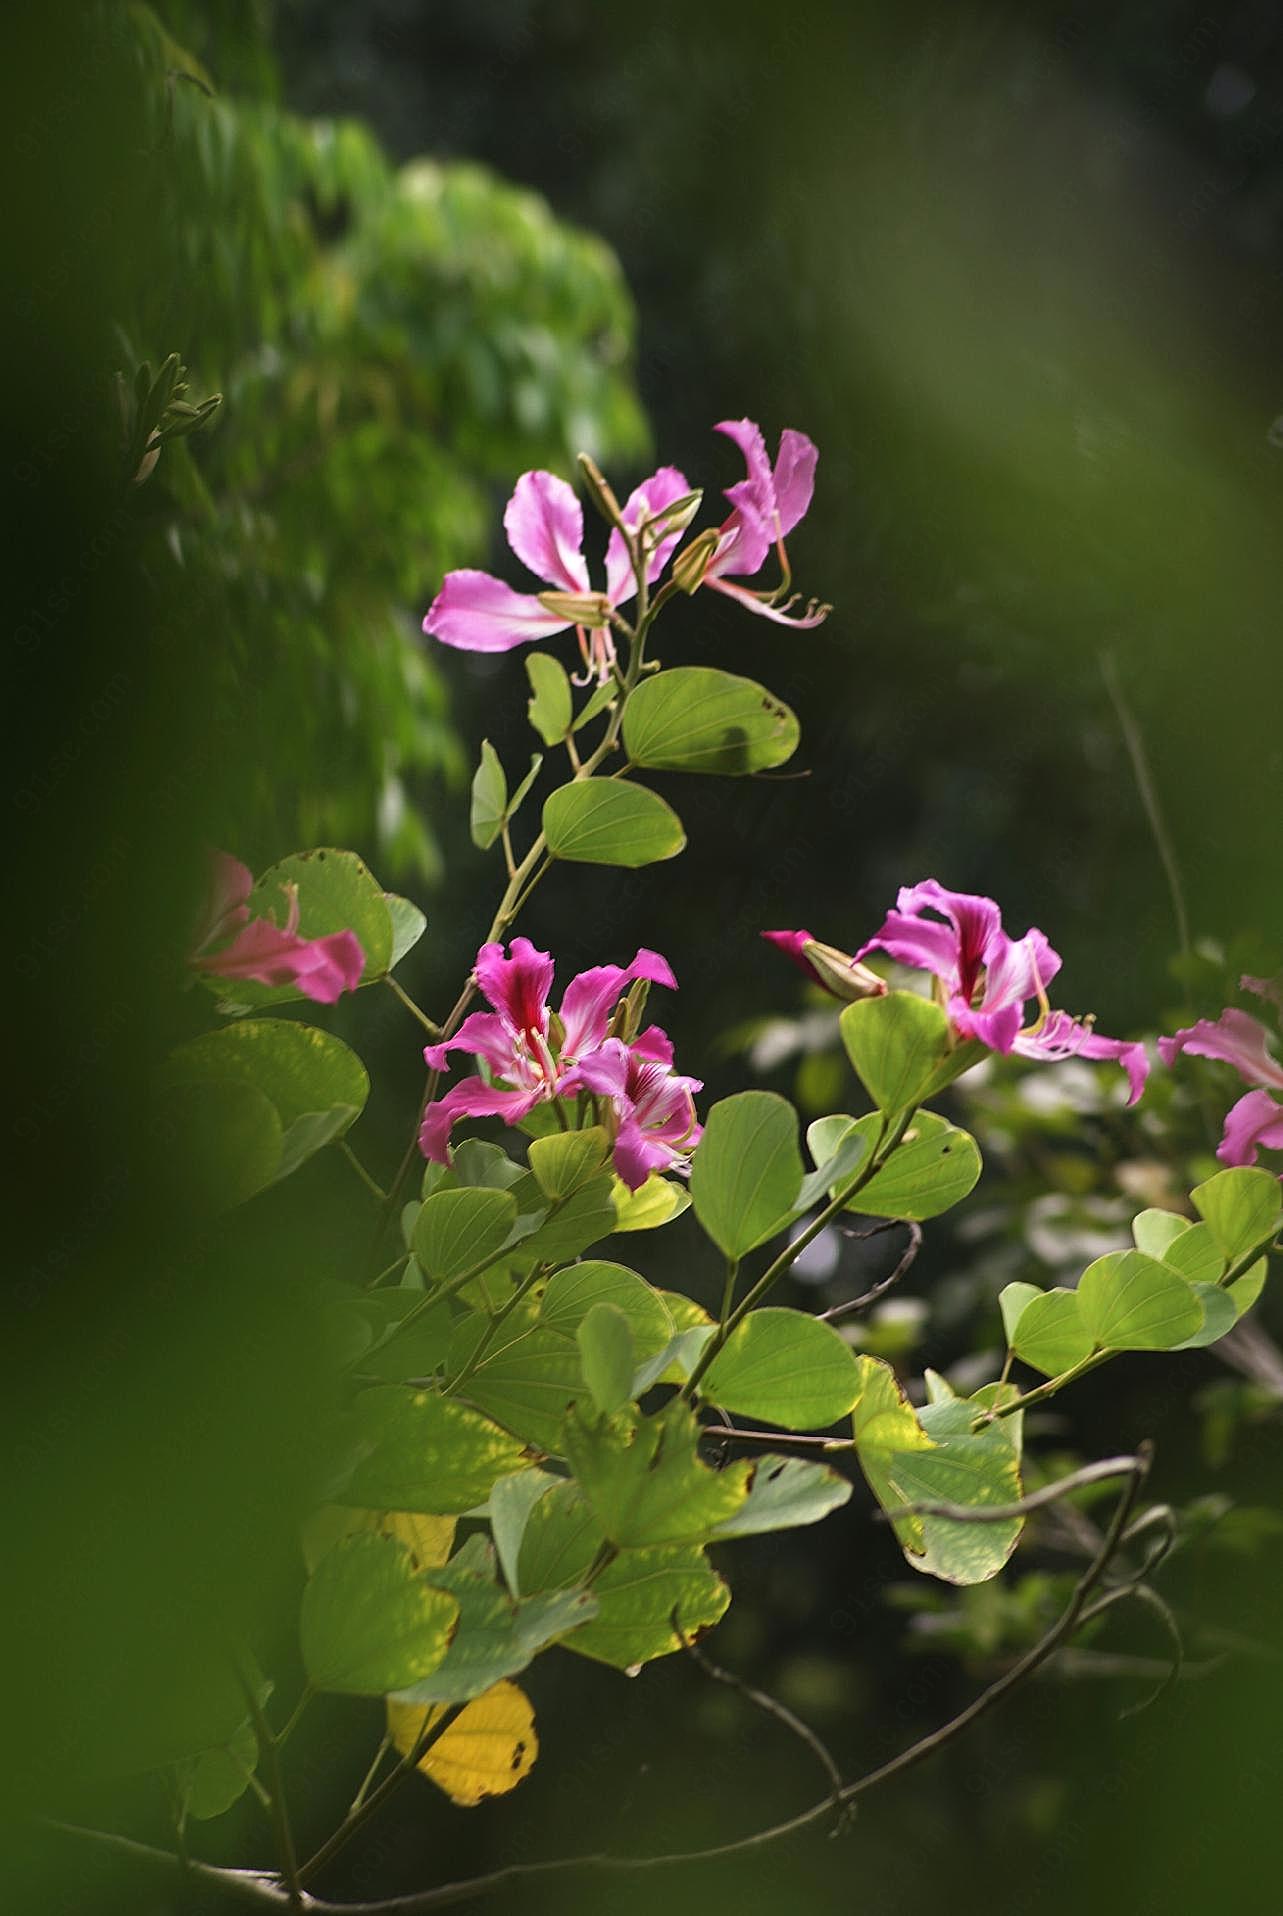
{"x":836,"y":971}
{"x":591,"y":609}
{"x":690,"y":566}
{"x":672,"y":518}
{"x":599,"y":491}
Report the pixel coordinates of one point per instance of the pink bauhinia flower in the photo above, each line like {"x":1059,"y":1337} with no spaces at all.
{"x":766,"y":506}
{"x":532,"y":1055}
{"x":262,"y":953}
{"x":545,"y":526}
{"x":652,"y":1109}
{"x":987,"y":980}
{"x":1241,"y":1040}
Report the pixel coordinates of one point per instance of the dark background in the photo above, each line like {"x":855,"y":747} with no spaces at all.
{"x":1019,"y":272}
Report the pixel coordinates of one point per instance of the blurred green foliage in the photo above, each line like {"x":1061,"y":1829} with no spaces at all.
{"x":392,"y":343}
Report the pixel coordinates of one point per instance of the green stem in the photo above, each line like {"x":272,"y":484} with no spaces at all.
{"x":488,"y":1334}
{"x":430,"y":1025}
{"x":889,"y":1137}
{"x":369,"y":1776}
{"x":356,"y":1819}
{"x":370,"y":1183}
{"x":728,"y":1289}
{"x":269,"y":1756}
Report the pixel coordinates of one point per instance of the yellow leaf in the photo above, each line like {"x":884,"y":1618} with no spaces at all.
{"x":488,"y":1749}
{"x":428,"y":1539}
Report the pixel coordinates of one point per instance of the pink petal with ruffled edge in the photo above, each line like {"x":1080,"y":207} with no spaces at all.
{"x":544,"y":522}
{"x":483,"y":1034}
{"x":479,"y":613}
{"x":590,"y":998}
{"x":1234,"y":1038}
{"x":517,"y":986}
{"x":1254,"y":1121}
{"x":1060,"y":1036}
{"x":471,"y":1098}
{"x":794,"y":477}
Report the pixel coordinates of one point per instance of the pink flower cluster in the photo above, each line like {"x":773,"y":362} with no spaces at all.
{"x":535,"y":1056}
{"x":993,"y":987}
{"x":230,"y":944}
{"x":545,"y":526}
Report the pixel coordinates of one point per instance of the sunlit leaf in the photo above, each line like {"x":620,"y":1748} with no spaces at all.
{"x":369,"y":1622}
{"x":643,"y":1480}
{"x":1132,"y":1302}
{"x":693,"y":719}
{"x":486,"y":1751}
{"x":417,"y":1450}
{"x":784,"y":1367}
{"x":747,"y":1170}
{"x":605,"y":821}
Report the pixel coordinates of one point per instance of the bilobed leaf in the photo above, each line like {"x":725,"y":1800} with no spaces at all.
{"x":297,"y":1068}
{"x":510,"y":1504}
{"x":901,"y":1047}
{"x":934,"y":1166}
{"x":1219,"y":1316}
{"x":580,"y":1220}
{"x":572,"y":1293}
{"x":1243,"y":1207}
{"x":783,"y":1494}
{"x":1051,"y":1334}
{"x":496,"y":1635}
{"x":644,"y":1598}
{"x":417,"y":1450}
{"x":1155,"y":1231}
{"x":1132,"y":1302}
{"x":1011,"y":1302}
{"x":428,"y":1539}
{"x":489,"y":798}
{"x":564,"y":1160}
{"x":560,"y":1542}
{"x":851,"y":1147}
{"x":694,"y":719}
{"x":1246,"y":1289}
{"x":519,"y":797}
{"x":408,"y":926}
{"x":1195,"y":1253}
{"x":784,"y":1367}
{"x":606,"y":821}
{"x":907,"y":1464}
{"x":486,"y":1751}
{"x":477,"y":1162}
{"x":550,"y":708}
{"x":224,"y":1139}
{"x":747,"y":1170}
{"x":643,"y":1480}
{"x":526,"y":1381}
{"x":369,"y":1622}
{"x":606,"y":1357}
{"x":657,"y":1202}
{"x":209,"y":1782}
{"x":456,"y":1230}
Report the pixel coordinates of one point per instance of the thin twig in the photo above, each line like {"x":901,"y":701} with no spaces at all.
{"x":1024,"y":1506}
{"x":369,"y":1182}
{"x":770,"y":1706}
{"x":430,"y":1025}
{"x":880,"y":1289}
{"x":267,"y":1892}
{"x":1133,"y":739}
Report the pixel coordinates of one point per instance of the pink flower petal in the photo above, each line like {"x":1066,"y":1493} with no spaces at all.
{"x":470,"y":1098}
{"x":544,"y":522}
{"x":484,"y":1034}
{"x":479,"y":613}
{"x":590,"y":998}
{"x":1234,"y":1038}
{"x":1254,"y":1121}
{"x":517,"y":986}
{"x":794,"y":477}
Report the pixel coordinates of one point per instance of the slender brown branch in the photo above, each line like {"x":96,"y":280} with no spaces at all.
{"x":880,"y":1289}
{"x":266,"y":1892}
{"x":1024,"y":1506}
{"x":769,"y":1706}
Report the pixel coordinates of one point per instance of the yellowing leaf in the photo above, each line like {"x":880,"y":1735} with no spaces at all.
{"x":428,"y":1539}
{"x":488,"y":1749}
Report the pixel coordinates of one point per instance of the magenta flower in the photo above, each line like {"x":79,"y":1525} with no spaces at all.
{"x":262,"y":953}
{"x":1239,"y":1039}
{"x":532,"y":1056}
{"x":767,"y":505}
{"x":545,"y":526}
{"x":987,"y":980}
{"x":652,"y":1108}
